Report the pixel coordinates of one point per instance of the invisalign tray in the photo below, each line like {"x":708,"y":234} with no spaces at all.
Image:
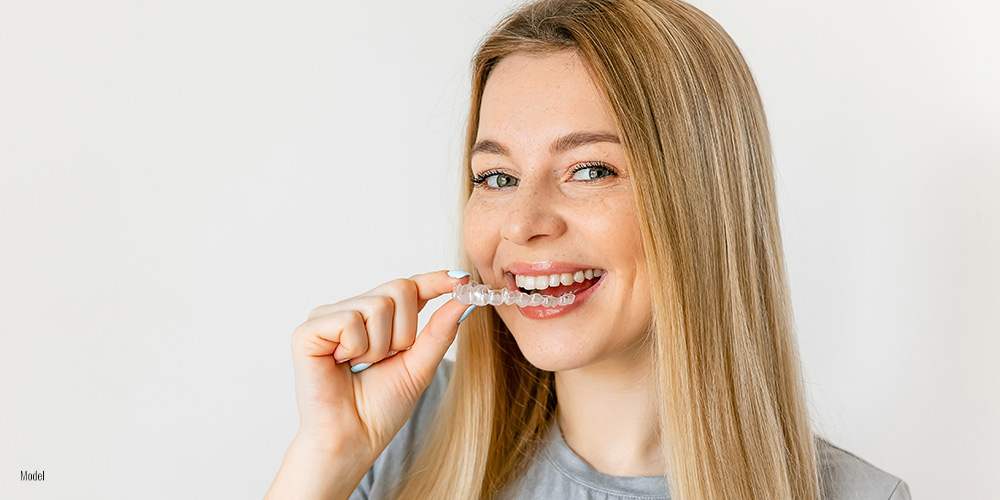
{"x":475,"y":294}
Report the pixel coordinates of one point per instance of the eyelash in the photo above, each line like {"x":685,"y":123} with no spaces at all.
{"x":480,"y":180}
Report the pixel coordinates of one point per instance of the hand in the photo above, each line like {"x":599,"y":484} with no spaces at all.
{"x":359,"y":414}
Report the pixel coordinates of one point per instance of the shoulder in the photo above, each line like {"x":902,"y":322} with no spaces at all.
{"x":389,"y":465}
{"x":846,"y":476}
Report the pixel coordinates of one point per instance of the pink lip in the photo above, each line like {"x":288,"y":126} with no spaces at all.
{"x":539,"y":312}
{"x":545,"y":267}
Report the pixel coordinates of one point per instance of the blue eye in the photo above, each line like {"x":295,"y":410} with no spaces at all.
{"x":595,"y":169}
{"x":494,"y":180}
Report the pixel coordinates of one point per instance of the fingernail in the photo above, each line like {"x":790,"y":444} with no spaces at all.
{"x":458,"y":273}
{"x":466,"y":313}
{"x":339,"y":361}
{"x":360,"y":366}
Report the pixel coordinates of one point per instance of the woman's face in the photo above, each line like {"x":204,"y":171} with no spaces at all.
{"x":549,"y":205}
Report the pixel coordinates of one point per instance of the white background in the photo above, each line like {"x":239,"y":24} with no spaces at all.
{"x":181,"y":182}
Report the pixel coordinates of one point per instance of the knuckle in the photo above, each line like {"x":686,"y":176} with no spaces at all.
{"x":350,"y":320}
{"x":402,"y":285}
{"x":303,"y":329}
{"x":317,"y":311}
{"x":300,"y":330}
{"x":325,"y":309}
{"x":383,"y":303}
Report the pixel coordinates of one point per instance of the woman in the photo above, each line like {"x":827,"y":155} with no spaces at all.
{"x":621,"y":143}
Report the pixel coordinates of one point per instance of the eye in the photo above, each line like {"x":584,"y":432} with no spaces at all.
{"x":593,"y":171}
{"x":494,"y":180}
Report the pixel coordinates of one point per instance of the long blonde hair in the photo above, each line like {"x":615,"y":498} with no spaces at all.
{"x":732,"y":413}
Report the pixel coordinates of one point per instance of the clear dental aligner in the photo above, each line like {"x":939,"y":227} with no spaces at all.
{"x":475,"y":294}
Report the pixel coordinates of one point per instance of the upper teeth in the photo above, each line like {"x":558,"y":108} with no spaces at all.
{"x":543,"y":282}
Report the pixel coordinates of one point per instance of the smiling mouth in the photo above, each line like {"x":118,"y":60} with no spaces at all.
{"x":562,"y":289}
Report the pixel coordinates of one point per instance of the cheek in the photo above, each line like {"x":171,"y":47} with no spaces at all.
{"x":480,"y":234}
{"x":612,"y":228}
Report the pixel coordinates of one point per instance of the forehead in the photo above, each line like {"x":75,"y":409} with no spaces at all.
{"x":537,"y":97}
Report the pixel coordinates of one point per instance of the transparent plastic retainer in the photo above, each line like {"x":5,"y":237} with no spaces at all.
{"x":475,"y":294}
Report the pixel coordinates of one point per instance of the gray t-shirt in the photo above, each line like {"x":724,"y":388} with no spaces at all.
{"x":557,"y":472}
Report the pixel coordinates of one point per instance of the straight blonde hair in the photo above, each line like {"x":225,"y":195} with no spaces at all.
{"x":732,"y":411}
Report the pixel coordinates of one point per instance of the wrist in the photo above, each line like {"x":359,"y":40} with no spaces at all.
{"x":318,"y":471}
{"x":322,"y":450}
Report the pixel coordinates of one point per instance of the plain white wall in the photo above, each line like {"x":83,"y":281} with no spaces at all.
{"x":181,"y":182}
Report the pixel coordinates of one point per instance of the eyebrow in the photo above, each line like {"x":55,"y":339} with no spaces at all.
{"x":560,"y":145}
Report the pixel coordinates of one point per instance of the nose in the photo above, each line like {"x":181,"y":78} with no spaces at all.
{"x":532,"y":215}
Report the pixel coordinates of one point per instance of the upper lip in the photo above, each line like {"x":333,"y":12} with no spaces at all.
{"x":545,"y":267}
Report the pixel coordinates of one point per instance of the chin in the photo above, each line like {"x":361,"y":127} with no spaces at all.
{"x":553,"y":357}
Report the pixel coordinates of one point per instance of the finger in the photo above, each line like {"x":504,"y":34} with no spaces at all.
{"x":378,"y":315}
{"x":433,"y":285}
{"x":403,"y":293}
{"x":341,"y":333}
{"x":410,"y":296}
{"x":318,"y":378}
{"x":422,"y":287}
{"x":433,"y":342}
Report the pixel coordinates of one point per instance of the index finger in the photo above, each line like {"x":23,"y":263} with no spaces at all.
{"x":405,"y":293}
{"x":435,"y":284}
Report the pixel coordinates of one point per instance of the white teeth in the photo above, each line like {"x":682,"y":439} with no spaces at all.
{"x":553,"y":280}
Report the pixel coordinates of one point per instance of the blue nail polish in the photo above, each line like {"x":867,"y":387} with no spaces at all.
{"x":359,"y":367}
{"x":466,"y":313}
{"x":457,"y":273}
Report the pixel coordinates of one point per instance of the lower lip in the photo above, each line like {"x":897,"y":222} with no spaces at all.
{"x":541,"y":312}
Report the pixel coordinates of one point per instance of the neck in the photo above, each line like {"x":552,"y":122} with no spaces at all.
{"x":607,"y":415}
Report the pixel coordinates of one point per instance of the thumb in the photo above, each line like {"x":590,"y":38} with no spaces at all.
{"x":423,"y":358}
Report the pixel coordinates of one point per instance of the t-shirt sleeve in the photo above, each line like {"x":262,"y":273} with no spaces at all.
{"x":381,"y":477}
{"x":845,"y":476}
{"x":902,"y":491}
